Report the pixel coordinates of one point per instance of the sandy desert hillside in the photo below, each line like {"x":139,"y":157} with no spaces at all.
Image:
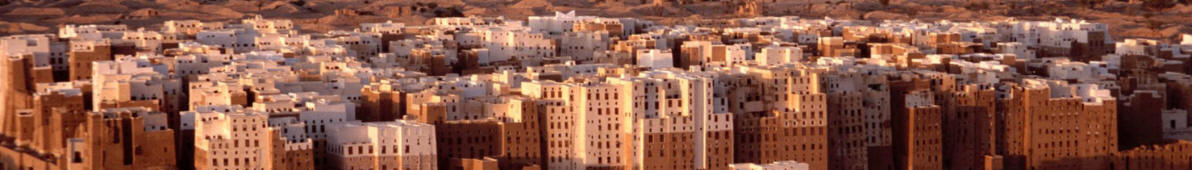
{"x":1128,"y":19}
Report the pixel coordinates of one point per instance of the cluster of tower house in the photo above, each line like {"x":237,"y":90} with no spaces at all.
{"x":585,"y":92}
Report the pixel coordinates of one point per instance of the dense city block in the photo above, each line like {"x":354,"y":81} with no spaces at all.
{"x":567,"y":91}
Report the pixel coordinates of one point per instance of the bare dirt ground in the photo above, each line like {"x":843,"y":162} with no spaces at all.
{"x":1127,"y":20}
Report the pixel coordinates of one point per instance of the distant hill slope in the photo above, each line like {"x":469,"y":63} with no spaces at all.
{"x":1127,"y":19}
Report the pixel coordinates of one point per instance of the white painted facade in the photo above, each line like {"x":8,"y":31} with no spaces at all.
{"x":655,"y":59}
{"x":130,"y":79}
{"x":229,"y":137}
{"x":780,"y":165}
{"x":411,"y":142}
{"x":776,"y":55}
